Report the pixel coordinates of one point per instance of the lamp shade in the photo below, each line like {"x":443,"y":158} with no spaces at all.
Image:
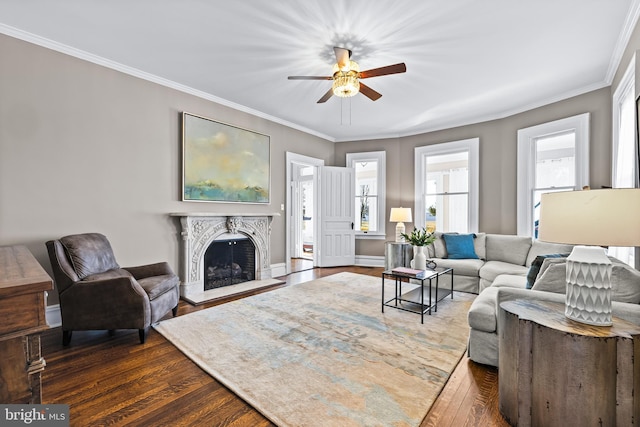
{"x":608,"y":217}
{"x":400,"y":215}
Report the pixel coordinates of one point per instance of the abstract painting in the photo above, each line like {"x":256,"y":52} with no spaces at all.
{"x":223,"y":163}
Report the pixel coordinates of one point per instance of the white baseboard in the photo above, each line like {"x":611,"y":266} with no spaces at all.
{"x":279,"y":269}
{"x":369,"y":261}
{"x":53,"y":316}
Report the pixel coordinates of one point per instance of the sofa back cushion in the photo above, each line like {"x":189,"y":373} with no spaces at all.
{"x":625,"y":280}
{"x":544,"y":248}
{"x":438,"y":247}
{"x":508,"y":248}
{"x":89,"y":253}
{"x":480,"y":245}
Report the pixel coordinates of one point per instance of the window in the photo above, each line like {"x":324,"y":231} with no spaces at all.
{"x":624,"y":167}
{"x":370,"y":170}
{"x":552,"y":156}
{"x":446,"y":186}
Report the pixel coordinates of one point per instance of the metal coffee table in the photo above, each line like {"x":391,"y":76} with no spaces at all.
{"x":414,"y":300}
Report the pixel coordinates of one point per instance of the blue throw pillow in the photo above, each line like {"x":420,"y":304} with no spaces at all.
{"x":532,"y":274}
{"x":460,"y":246}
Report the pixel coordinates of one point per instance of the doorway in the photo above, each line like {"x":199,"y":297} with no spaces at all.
{"x":301,"y":249}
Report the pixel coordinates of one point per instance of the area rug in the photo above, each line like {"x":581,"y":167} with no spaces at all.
{"x":321,"y":353}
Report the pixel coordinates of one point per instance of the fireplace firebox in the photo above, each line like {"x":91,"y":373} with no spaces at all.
{"x":229,"y":262}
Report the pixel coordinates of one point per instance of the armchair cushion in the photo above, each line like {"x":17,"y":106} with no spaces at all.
{"x":157,"y":285}
{"x":89,"y":253}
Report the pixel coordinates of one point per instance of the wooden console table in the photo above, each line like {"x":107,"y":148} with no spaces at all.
{"x":23,"y":286}
{"x":554,"y":371}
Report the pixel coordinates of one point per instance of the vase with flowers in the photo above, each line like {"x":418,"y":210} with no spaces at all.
{"x":419,"y":238}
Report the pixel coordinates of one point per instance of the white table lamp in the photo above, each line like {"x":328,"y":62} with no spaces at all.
{"x":590,"y":219}
{"x":400,"y":215}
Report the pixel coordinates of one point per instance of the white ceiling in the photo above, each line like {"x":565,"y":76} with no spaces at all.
{"x":467,"y":60}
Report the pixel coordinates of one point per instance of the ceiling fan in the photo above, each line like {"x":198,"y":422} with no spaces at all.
{"x":347,"y":75}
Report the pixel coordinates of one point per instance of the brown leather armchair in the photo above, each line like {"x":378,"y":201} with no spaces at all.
{"x":96,"y":294}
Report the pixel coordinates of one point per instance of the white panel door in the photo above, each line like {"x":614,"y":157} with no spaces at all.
{"x":336,"y":203}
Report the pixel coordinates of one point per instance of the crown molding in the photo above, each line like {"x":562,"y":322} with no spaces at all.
{"x":623,"y":40}
{"x":107,"y":63}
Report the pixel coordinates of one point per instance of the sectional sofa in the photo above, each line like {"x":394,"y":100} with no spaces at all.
{"x":511,"y":267}
{"x":496,"y":255}
{"x":550,"y":285}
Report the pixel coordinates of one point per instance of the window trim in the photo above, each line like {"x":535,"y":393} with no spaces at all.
{"x":526,"y":158}
{"x":626,"y":85}
{"x":472,"y":145}
{"x":380,"y":157}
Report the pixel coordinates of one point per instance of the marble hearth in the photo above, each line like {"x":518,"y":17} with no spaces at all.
{"x":199,"y":230}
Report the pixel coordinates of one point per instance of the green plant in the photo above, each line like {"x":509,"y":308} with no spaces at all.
{"x":419,"y":237}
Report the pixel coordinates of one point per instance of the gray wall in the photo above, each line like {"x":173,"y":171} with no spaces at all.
{"x":86,"y":148}
{"x":498,"y":154}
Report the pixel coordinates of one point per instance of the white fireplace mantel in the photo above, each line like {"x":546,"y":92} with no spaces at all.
{"x":199,"y":230}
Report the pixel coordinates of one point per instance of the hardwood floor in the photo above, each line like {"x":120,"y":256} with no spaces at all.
{"x":117,"y":381}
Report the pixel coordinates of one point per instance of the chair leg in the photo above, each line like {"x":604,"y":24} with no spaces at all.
{"x":174,"y":310}
{"x":66,"y":337}
{"x":143,"y":334}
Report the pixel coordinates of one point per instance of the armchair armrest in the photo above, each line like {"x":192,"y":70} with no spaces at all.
{"x":115,"y":303}
{"x":144,"y":271}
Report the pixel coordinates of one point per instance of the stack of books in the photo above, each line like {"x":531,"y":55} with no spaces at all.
{"x":418,"y":274}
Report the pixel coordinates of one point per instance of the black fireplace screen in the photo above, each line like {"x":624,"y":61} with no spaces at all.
{"x":228,"y":262}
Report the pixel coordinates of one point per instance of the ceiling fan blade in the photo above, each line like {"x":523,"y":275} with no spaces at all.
{"x":369,"y":93}
{"x":383,"y":71}
{"x":309,"y":78}
{"x":326,"y":96}
{"x":342,"y":56}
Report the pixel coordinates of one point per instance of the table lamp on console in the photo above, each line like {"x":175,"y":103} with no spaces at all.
{"x":400,"y":215}
{"x":590,"y":219}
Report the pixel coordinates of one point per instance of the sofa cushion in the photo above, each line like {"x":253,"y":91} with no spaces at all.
{"x":460,"y":246}
{"x":482,"y":313}
{"x":480,"y":245}
{"x":625,"y":283}
{"x":461,"y":267}
{"x":542,"y":248}
{"x":492,"y":269}
{"x":534,"y":269}
{"x":508,"y":248}
{"x":439,"y":246}
{"x":510,"y":281}
{"x":89,"y":253}
{"x":625,"y":280}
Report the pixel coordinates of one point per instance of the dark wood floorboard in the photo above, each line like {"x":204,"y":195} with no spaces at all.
{"x":116,"y":381}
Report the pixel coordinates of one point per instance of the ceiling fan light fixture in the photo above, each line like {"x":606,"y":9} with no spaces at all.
{"x":345,"y":86}
{"x":345,"y":80}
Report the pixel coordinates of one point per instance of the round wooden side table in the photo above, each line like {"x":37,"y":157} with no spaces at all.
{"x":554,"y":371}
